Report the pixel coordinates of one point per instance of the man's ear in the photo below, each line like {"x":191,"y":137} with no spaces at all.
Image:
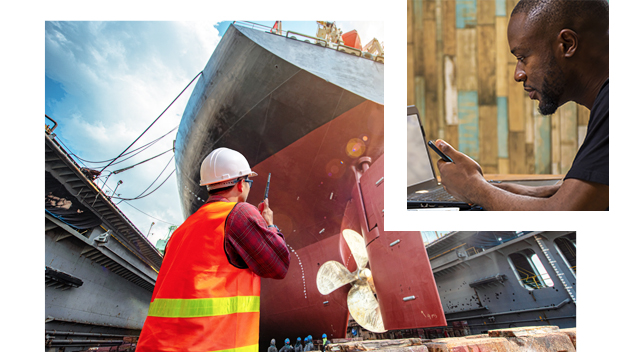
{"x":568,"y":41}
{"x":240,"y":186}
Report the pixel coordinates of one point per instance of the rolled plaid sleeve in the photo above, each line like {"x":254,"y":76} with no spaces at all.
{"x":250,"y":243}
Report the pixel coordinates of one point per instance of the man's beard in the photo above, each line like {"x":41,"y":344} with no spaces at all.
{"x":551,"y":89}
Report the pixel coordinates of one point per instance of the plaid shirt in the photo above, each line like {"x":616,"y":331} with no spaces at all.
{"x":250,"y":244}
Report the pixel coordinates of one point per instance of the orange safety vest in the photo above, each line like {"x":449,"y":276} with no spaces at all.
{"x":200,"y":301}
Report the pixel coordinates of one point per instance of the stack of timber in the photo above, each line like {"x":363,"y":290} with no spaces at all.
{"x":460,"y":75}
{"x":533,"y":338}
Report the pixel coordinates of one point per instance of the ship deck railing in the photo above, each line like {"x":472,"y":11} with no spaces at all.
{"x":314,"y":40}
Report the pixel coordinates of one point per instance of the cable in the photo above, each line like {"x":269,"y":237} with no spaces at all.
{"x":143,"y":147}
{"x":129,"y":167}
{"x":150,"y":215}
{"x":153,"y":122}
{"x":70,"y":151}
{"x":143,"y":196}
{"x":155,"y":180}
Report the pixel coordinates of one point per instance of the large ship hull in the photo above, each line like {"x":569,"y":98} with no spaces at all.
{"x":313,"y":118}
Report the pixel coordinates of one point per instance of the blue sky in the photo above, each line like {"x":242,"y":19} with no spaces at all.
{"x":105,"y":82}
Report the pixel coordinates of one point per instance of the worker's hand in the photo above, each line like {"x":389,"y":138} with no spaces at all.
{"x":461,"y":178}
{"x":267,"y":213}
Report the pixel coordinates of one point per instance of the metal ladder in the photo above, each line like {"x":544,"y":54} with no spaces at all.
{"x":555,"y":266}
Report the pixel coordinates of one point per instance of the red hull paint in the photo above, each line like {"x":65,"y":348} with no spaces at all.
{"x":315,"y":193}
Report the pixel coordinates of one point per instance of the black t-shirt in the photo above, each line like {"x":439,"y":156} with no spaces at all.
{"x":591,"y":161}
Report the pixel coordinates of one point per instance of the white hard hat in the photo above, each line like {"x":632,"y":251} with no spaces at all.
{"x":222,"y":165}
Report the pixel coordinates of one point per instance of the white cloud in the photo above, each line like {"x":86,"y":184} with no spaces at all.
{"x":118,"y":78}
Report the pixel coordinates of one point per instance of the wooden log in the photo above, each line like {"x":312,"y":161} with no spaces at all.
{"x":373,"y":345}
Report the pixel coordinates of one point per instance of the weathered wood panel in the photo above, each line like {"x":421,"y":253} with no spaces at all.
{"x":468,"y":123}
{"x":459,"y":48}
{"x":517,"y":149}
{"x":486,"y":60}
{"x":488,"y":132}
{"x":568,"y":135}
{"x":432,"y":114}
{"x":502,"y":126}
{"x":466,"y":76}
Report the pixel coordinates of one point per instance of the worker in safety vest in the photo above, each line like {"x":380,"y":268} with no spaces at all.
{"x":206,"y":296}
{"x":272,"y":347}
{"x":287,"y":346}
{"x":298,"y":345}
{"x":325,"y":342}
{"x":309,"y":344}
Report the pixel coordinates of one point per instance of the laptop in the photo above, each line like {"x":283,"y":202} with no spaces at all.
{"x":423,"y":190}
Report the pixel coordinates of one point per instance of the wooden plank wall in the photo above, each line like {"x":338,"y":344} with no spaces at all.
{"x":460,"y":75}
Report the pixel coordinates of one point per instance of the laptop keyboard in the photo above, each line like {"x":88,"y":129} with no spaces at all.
{"x":439,"y":194}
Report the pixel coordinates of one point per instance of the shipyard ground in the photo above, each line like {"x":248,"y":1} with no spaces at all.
{"x":534,"y":339}
{"x":531,"y":338}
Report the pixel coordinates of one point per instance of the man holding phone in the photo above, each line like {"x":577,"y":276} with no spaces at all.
{"x":562,"y":55}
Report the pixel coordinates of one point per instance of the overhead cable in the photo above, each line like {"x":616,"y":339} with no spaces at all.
{"x":146,"y":160}
{"x":153,"y":122}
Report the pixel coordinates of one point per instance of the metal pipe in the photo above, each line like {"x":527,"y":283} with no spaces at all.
{"x":523,"y":321}
{"x":84,"y":342}
{"x":55,"y":124}
{"x":76,"y":333}
{"x":567,"y":300}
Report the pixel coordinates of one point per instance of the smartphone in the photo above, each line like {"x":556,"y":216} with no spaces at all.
{"x":443,"y":156}
{"x":268,"y":183}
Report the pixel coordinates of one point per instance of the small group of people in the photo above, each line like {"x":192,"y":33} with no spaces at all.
{"x":299,"y":346}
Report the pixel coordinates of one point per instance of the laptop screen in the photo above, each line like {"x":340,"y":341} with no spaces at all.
{"x":419,"y":168}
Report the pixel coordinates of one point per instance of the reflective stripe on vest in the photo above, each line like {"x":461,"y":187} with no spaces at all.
{"x":203,"y":307}
{"x":252,"y":348}
{"x":200,"y":301}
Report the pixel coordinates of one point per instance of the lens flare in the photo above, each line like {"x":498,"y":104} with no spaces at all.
{"x":355,"y":148}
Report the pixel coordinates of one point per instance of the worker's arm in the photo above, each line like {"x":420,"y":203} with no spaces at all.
{"x":532,"y":191}
{"x":464,"y":180}
{"x":250,"y":243}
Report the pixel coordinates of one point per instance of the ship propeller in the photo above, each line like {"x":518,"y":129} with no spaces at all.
{"x":361,"y":299}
